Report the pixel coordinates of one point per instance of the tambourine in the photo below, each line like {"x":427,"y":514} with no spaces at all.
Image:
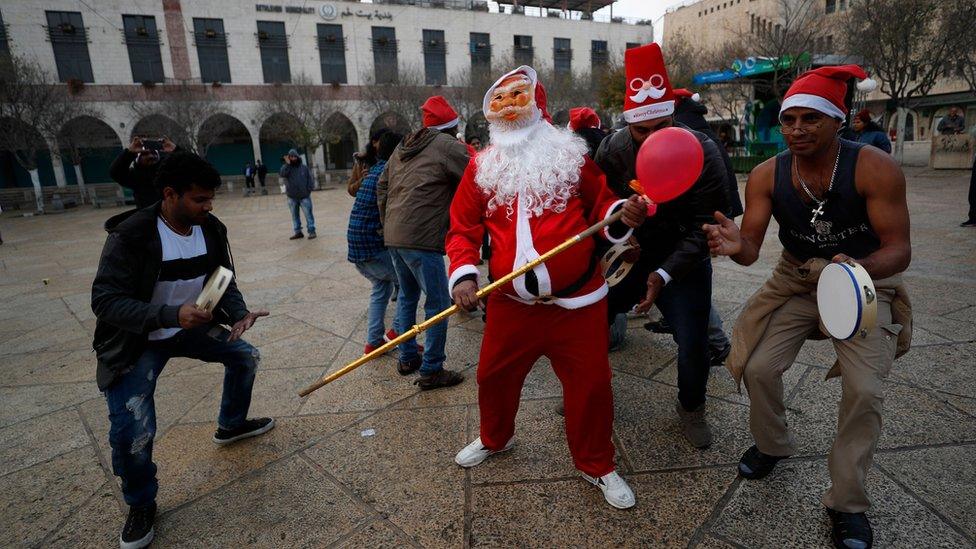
{"x":613,"y":266}
{"x":846,"y":300}
{"x":214,"y":289}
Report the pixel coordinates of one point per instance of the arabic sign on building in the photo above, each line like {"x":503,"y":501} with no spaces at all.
{"x":326,"y":11}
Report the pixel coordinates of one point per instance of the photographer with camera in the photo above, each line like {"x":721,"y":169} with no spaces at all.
{"x":136,"y":167}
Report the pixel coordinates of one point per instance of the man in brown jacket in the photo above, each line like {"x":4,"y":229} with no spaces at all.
{"x":414,"y":195}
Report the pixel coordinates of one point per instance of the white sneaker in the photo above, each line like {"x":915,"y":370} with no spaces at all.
{"x":615,"y":489}
{"x":475,"y":453}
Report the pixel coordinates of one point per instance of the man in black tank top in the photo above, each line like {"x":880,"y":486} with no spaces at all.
{"x":834,"y":200}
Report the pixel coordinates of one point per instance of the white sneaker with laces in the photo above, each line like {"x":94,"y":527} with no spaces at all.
{"x":615,"y":489}
{"x":475,"y":453}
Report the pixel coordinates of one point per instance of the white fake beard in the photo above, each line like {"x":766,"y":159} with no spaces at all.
{"x":539,"y":162}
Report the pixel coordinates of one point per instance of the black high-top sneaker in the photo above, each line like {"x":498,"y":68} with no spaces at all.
{"x":138,"y":530}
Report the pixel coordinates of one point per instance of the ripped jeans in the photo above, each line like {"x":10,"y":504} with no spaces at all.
{"x":132,"y":408}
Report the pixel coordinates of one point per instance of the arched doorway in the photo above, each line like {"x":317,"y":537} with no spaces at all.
{"x":392,"y":121}
{"x":910,"y":119}
{"x":88,"y":147}
{"x":225,"y":142}
{"x":158,"y":125}
{"x":341,"y":142}
{"x":16,"y":164}
{"x":276,"y":136}
{"x":476,"y":126}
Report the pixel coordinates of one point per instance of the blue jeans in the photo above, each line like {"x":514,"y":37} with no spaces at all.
{"x":685,"y":304}
{"x":717,"y":340}
{"x":306,"y":206}
{"x":417,"y":271}
{"x":132,"y":409}
{"x":379,"y":271}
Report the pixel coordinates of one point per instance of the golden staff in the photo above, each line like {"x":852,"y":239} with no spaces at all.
{"x":443,"y":315}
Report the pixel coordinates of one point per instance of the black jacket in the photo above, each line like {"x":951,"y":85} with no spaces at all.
{"x":692,"y":114}
{"x":593,"y":138}
{"x":137,"y":177}
{"x":123,"y":287}
{"x":673,"y":239}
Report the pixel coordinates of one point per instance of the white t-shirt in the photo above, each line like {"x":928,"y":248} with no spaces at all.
{"x":182,"y":272}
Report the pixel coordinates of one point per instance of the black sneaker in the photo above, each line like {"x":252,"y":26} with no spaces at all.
{"x":755,"y":464}
{"x":250,"y":428}
{"x":850,"y":530}
{"x":659,"y":327}
{"x":405,"y":368}
{"x":296,"y":236}
{"x":969,"y":223}
{"x":138,"y":530}
{"x":311,"y":236}
{"x":717,"y":358}
{"x":443,"y":378}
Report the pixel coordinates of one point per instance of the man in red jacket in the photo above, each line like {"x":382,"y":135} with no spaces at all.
{"x":531,"y":189}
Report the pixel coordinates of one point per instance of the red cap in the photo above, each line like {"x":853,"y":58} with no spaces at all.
{"x":647,"y":94}
{"x":823,"y":90}
{"x":583,"y":117}
{"x":540,"y":90}
{"x":682,"y":93}
{"x":438,"y":113}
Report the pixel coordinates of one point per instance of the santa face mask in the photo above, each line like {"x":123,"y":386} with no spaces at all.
{"x":512,"y":103}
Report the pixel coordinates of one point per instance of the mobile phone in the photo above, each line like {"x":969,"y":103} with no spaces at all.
{"x":152,"y":144}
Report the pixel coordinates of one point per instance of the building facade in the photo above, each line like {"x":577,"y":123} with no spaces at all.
{"x":121,"y":57}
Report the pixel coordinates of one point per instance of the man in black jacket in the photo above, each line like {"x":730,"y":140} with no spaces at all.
{"x":136,"y":167}
{"x":153,"y":267}
{"x":674,"y":270}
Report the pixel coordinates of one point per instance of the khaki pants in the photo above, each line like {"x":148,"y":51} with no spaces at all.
{"x":864,"y":363}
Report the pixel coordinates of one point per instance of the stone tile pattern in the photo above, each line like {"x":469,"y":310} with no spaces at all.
{"x":367,"y":462}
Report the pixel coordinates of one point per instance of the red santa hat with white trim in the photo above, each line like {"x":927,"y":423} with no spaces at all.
{"x":823,"y":90}
{"x":529,"y":73}
{"x":683,"y":93}
{"x":583,"y":117}
{"x":647,"y":94}
{"x":439,"y":114}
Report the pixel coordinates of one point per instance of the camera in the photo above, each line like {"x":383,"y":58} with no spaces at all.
{"x":153,"y":144}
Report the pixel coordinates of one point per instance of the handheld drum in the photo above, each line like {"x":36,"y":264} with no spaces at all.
{"x":846,"y":300}
{"x":214,"y":289}
{"x":613,"y":265}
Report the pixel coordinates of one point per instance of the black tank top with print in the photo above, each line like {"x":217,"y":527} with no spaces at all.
{"x":843,"y":227}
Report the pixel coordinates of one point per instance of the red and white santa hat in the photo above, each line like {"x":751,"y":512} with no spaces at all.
{"x":683,"y":93}
{"x":823,"y":90}
{"x":540,"y":90}
{"x":439,"y":114}
{"x":583,"y":117}
{"x":647,"y":94}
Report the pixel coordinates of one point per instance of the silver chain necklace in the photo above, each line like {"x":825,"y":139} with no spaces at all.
{"x":172,"y":228}
{"x":819,"y":210}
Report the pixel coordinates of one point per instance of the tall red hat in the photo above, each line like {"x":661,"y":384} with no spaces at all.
{"x":540,"y":90}
{"x":583,"y":117}
{"x":823,"y":90}
{"x":647,"y":94}
{"x":439,"y":114}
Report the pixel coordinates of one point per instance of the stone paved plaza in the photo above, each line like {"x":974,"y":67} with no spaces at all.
{"x":320,"y":479}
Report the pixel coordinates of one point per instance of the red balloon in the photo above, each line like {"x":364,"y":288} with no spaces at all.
{"x":668,"y":163}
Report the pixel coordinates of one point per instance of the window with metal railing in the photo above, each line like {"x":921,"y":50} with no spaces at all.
{"x":69,"y":40}
{"x":332,"y":53}
{"x":562,"y":55}
{"x":435,"y":58}
{"x":273,"y":43}
{"x":522,"y":50}
{"x":385,"y":55}
{"x":211,"y":43}
{"x":142,"y":42}
{"x":480,"y":46}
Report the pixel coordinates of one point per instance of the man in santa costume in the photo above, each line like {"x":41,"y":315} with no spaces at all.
{"x":531,"y":189}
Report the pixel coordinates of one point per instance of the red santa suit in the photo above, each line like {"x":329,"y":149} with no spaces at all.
{"x":559,"y":309}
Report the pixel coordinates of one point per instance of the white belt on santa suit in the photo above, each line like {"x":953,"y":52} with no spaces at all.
{"x":577,"y":302}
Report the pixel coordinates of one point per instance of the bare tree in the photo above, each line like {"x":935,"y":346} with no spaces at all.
{"x":307,"y":109}
{"x":797,"y":28}
{"x":188,"y":106}
{"x":397,"y":100}
{"x":684,"y":60}
{"x":962,"y":24}
{"x":907,"y":44}
{"x":32,"y":112}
